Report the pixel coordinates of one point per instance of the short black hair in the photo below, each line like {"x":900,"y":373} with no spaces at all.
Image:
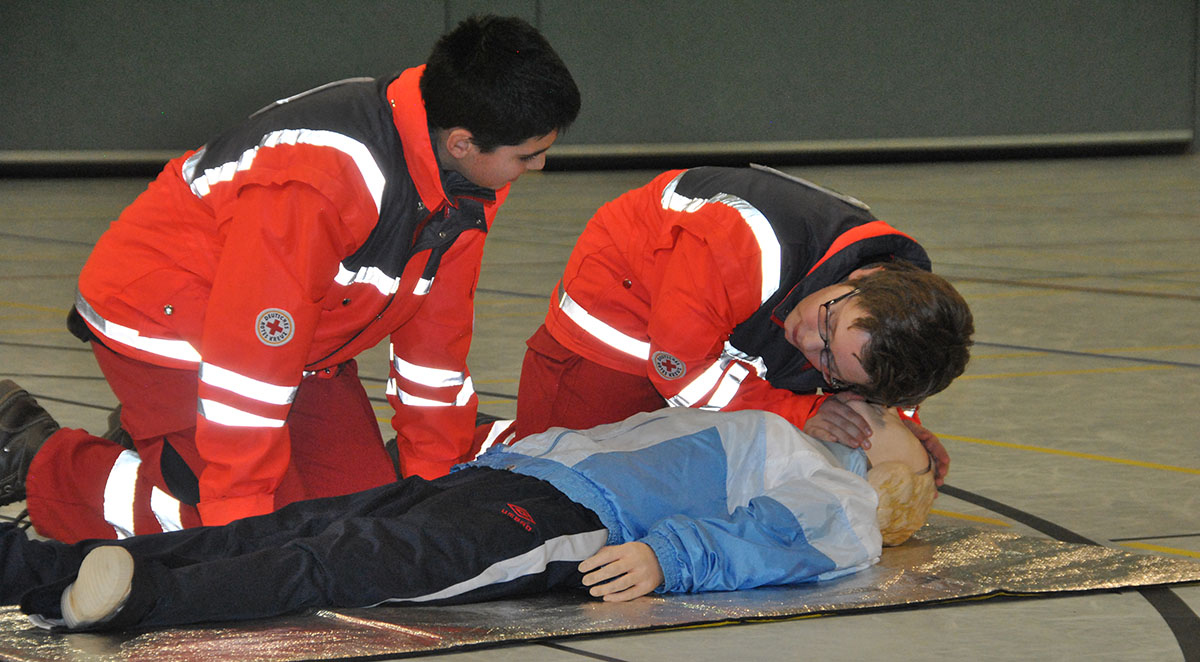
{"x":498,"y":77}
{"x":920,"y":329}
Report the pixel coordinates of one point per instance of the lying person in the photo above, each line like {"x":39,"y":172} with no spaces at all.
{"x":679,"y":500}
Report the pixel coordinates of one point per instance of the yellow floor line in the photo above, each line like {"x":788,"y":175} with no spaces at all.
{"x":35,"y":332}
{"x":491,"y":316}
{"x":1100,"y":352}
{"x":1084,"y":456}
{"x":1011,"y":295}
{"x":1159,"y":548}
{"x":1156,"y":348}
{"x":30,"y":306}
{"x":1049,"y":373}
{"x":25,"y":316}
{"x":1007,"y":355}
{"x":1134,"y":545}
{"x":970,"y":518}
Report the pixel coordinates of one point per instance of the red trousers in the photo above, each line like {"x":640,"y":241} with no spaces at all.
{"x":81,"y":486}
{"x":560,"y":388}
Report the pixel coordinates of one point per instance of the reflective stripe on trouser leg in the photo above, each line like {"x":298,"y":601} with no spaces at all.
{"x":119,"y":497}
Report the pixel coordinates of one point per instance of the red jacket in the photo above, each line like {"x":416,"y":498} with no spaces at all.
{"x":290,"y":244}
{"x":687,"y":280}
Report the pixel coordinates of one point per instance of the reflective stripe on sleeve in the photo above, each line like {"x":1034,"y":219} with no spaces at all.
{"x":692,"y":393}
{"x":764,"y":234}
{"x":727,"y":388}
{"x":223,"y":414}
{"x":463,"y":397}
{"x":726,"y":382}
{"x":180,"y":350}
{"x":247,"y":386}
{"x":426,"y":376}
{"x":372,"y":176}
{"x":606,"y":334}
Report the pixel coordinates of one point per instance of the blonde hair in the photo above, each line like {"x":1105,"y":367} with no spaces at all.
{"x":905,"y":499}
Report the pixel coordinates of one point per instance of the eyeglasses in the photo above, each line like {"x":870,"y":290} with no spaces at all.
{"x":826,"y":333}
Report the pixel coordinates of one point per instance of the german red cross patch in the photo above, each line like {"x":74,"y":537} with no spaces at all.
{"x":274,"y":327}
{"x":667,"y":366}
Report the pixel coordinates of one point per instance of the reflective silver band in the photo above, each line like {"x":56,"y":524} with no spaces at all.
{"x":180,"y":350}
{"x":461,"y":399}
{"x":372,"y":176}
{"x":606,"y":334}
{"x":373,"y":276}
{"x":246,"y":386}
{"x":223,"y":414}
{"x":426,"y":376}
{"x":764,"y":234}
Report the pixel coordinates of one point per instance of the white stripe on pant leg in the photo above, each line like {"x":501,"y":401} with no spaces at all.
{"x":166,"y":510}
{"x":118,"y":493}
{"x":574,"y":547}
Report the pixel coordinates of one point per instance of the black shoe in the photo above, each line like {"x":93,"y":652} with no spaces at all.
{"x":24,"y":427}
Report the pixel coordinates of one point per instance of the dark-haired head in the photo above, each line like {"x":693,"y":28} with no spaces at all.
{"x":920,"y":329}
{"x":498,"y":78}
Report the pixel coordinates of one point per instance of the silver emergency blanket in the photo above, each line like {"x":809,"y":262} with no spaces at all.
{"x":939,"y":564}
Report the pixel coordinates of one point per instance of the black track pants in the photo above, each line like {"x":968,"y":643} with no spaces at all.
{"x":474,"y":535}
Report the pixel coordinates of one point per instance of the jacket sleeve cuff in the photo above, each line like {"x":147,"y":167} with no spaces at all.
{"x":666,"y":561}
{"x":223,"y":511}
{"x":817,"y":401}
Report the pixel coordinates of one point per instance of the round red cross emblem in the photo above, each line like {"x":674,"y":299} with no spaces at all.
{"x":274,"y":327}
{"x":667,"y":366}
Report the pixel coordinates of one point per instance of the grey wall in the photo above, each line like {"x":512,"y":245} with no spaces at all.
{"x":129,"y":79}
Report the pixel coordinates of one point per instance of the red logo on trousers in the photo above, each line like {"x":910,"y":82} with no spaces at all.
{"x":519,"y":515}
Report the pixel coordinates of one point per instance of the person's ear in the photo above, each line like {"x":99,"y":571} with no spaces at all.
{"x":459,"y":142}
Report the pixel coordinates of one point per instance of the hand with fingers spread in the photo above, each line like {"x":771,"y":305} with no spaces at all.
{"x":837,"y":422}
{"x":619,"y":573}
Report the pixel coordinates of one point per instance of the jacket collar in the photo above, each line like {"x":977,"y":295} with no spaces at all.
{"x":408,"y":114}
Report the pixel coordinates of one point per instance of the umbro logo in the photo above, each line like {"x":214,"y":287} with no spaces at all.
{"x":519,"y":515}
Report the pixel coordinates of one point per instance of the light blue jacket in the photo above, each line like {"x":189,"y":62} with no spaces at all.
{"x":727,"y":500}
